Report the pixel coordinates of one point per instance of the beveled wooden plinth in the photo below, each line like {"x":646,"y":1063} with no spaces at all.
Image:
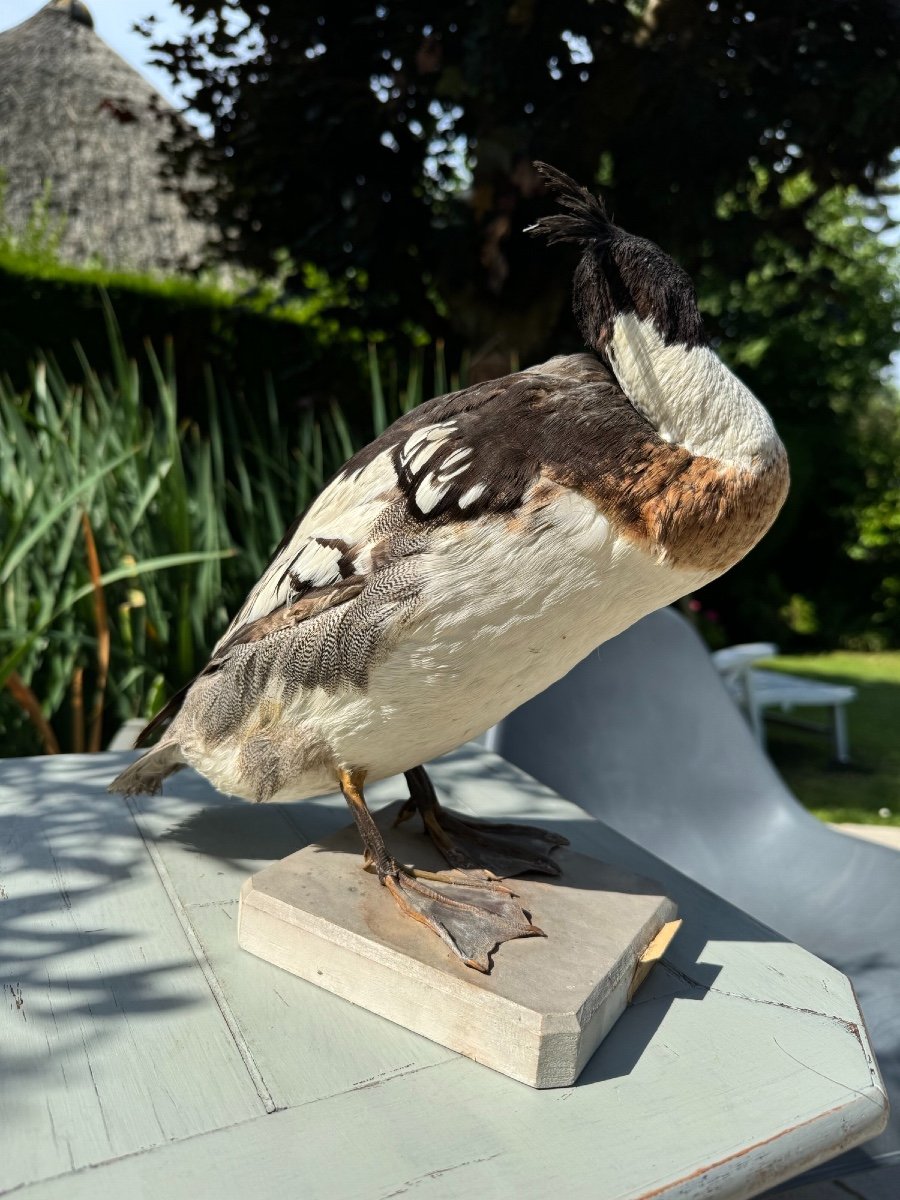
{"x":548,"y":1002}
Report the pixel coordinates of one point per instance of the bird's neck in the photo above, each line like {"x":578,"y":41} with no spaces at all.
{"x":689,"y":396}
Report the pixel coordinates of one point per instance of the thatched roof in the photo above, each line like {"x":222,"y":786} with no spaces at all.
{"x":74,"y":113}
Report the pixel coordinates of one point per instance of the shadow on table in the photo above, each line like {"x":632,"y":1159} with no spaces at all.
{"x":73,"y":930}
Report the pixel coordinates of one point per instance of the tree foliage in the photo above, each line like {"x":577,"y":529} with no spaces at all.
{"x":811,"y":332}
{"x":343,"y":132}
{"x":390,"y":143}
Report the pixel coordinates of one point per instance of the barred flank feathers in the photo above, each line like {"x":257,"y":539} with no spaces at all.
{"x":585,"y":220}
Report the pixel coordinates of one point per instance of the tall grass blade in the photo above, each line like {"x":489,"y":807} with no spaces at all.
{"x":379,"y":412}
{"x":50,"y":518}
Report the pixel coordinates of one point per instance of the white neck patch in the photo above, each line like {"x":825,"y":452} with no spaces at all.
{"x":689,"y":396}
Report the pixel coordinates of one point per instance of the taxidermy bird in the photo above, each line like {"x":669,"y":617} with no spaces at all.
{"x":470,"y":556}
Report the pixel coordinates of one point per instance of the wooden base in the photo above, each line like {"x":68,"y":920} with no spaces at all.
{"x":548,"y":1002}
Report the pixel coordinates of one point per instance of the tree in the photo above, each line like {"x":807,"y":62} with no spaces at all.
{"x":391,"y":145}
{"x":346,"y":133}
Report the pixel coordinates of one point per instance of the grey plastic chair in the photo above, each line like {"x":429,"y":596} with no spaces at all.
{"x":643,"y":735}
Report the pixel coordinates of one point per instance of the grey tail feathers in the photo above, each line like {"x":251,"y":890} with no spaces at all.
{"x":585,"y":219}
{"x":145,"y":777}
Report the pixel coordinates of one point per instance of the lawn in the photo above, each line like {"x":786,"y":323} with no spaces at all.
{"x":872,"y":784}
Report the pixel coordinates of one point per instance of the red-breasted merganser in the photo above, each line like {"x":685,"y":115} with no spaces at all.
{"x":470,"y":556}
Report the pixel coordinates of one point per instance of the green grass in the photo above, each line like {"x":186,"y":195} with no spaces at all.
{"x":872,"y":783}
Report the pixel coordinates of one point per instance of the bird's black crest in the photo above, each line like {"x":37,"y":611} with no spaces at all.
{"x":585,"y":219}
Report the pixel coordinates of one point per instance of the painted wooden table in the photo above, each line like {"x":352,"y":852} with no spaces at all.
{"x":144,"y":1054}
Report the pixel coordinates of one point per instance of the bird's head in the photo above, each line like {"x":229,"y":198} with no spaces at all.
{"x":618,"y":272}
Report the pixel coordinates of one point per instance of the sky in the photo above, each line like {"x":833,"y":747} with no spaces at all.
{"x":113,"y":20}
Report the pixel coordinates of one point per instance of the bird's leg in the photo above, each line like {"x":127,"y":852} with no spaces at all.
{"x":471,"y":916}
{"x":494,"y":848}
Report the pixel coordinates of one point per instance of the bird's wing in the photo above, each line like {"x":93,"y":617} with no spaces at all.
{"x":456,"y":457}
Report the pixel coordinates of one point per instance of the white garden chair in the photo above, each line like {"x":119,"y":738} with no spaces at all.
{"x":757,"y":690}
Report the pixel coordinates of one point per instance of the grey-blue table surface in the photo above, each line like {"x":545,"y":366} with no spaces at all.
{"x":143,"y":1053}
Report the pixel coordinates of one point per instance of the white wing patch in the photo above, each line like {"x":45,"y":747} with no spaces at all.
{"x":434,"y":486}
{"x":313,"y":565}
{"x":428,"y":467}
{"x":469,"y":497}
{"x":453,"y":459}
{"x":428,"y":495}
{"x":421,"y":445}
{"x":349,"y":504}
{"x":316,"y":564}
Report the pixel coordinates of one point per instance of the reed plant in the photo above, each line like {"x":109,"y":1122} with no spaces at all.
{"x":129,"y":534}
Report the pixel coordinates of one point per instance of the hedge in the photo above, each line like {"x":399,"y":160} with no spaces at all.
{"x":48,"y":307}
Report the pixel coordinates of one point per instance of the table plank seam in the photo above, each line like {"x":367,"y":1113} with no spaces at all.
{"x":262,"y":1089}
{"x":678,"y":973}
{"x":657,"y":1193}
{"x":381,"y":1080}
{"x":850,"y":1027}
